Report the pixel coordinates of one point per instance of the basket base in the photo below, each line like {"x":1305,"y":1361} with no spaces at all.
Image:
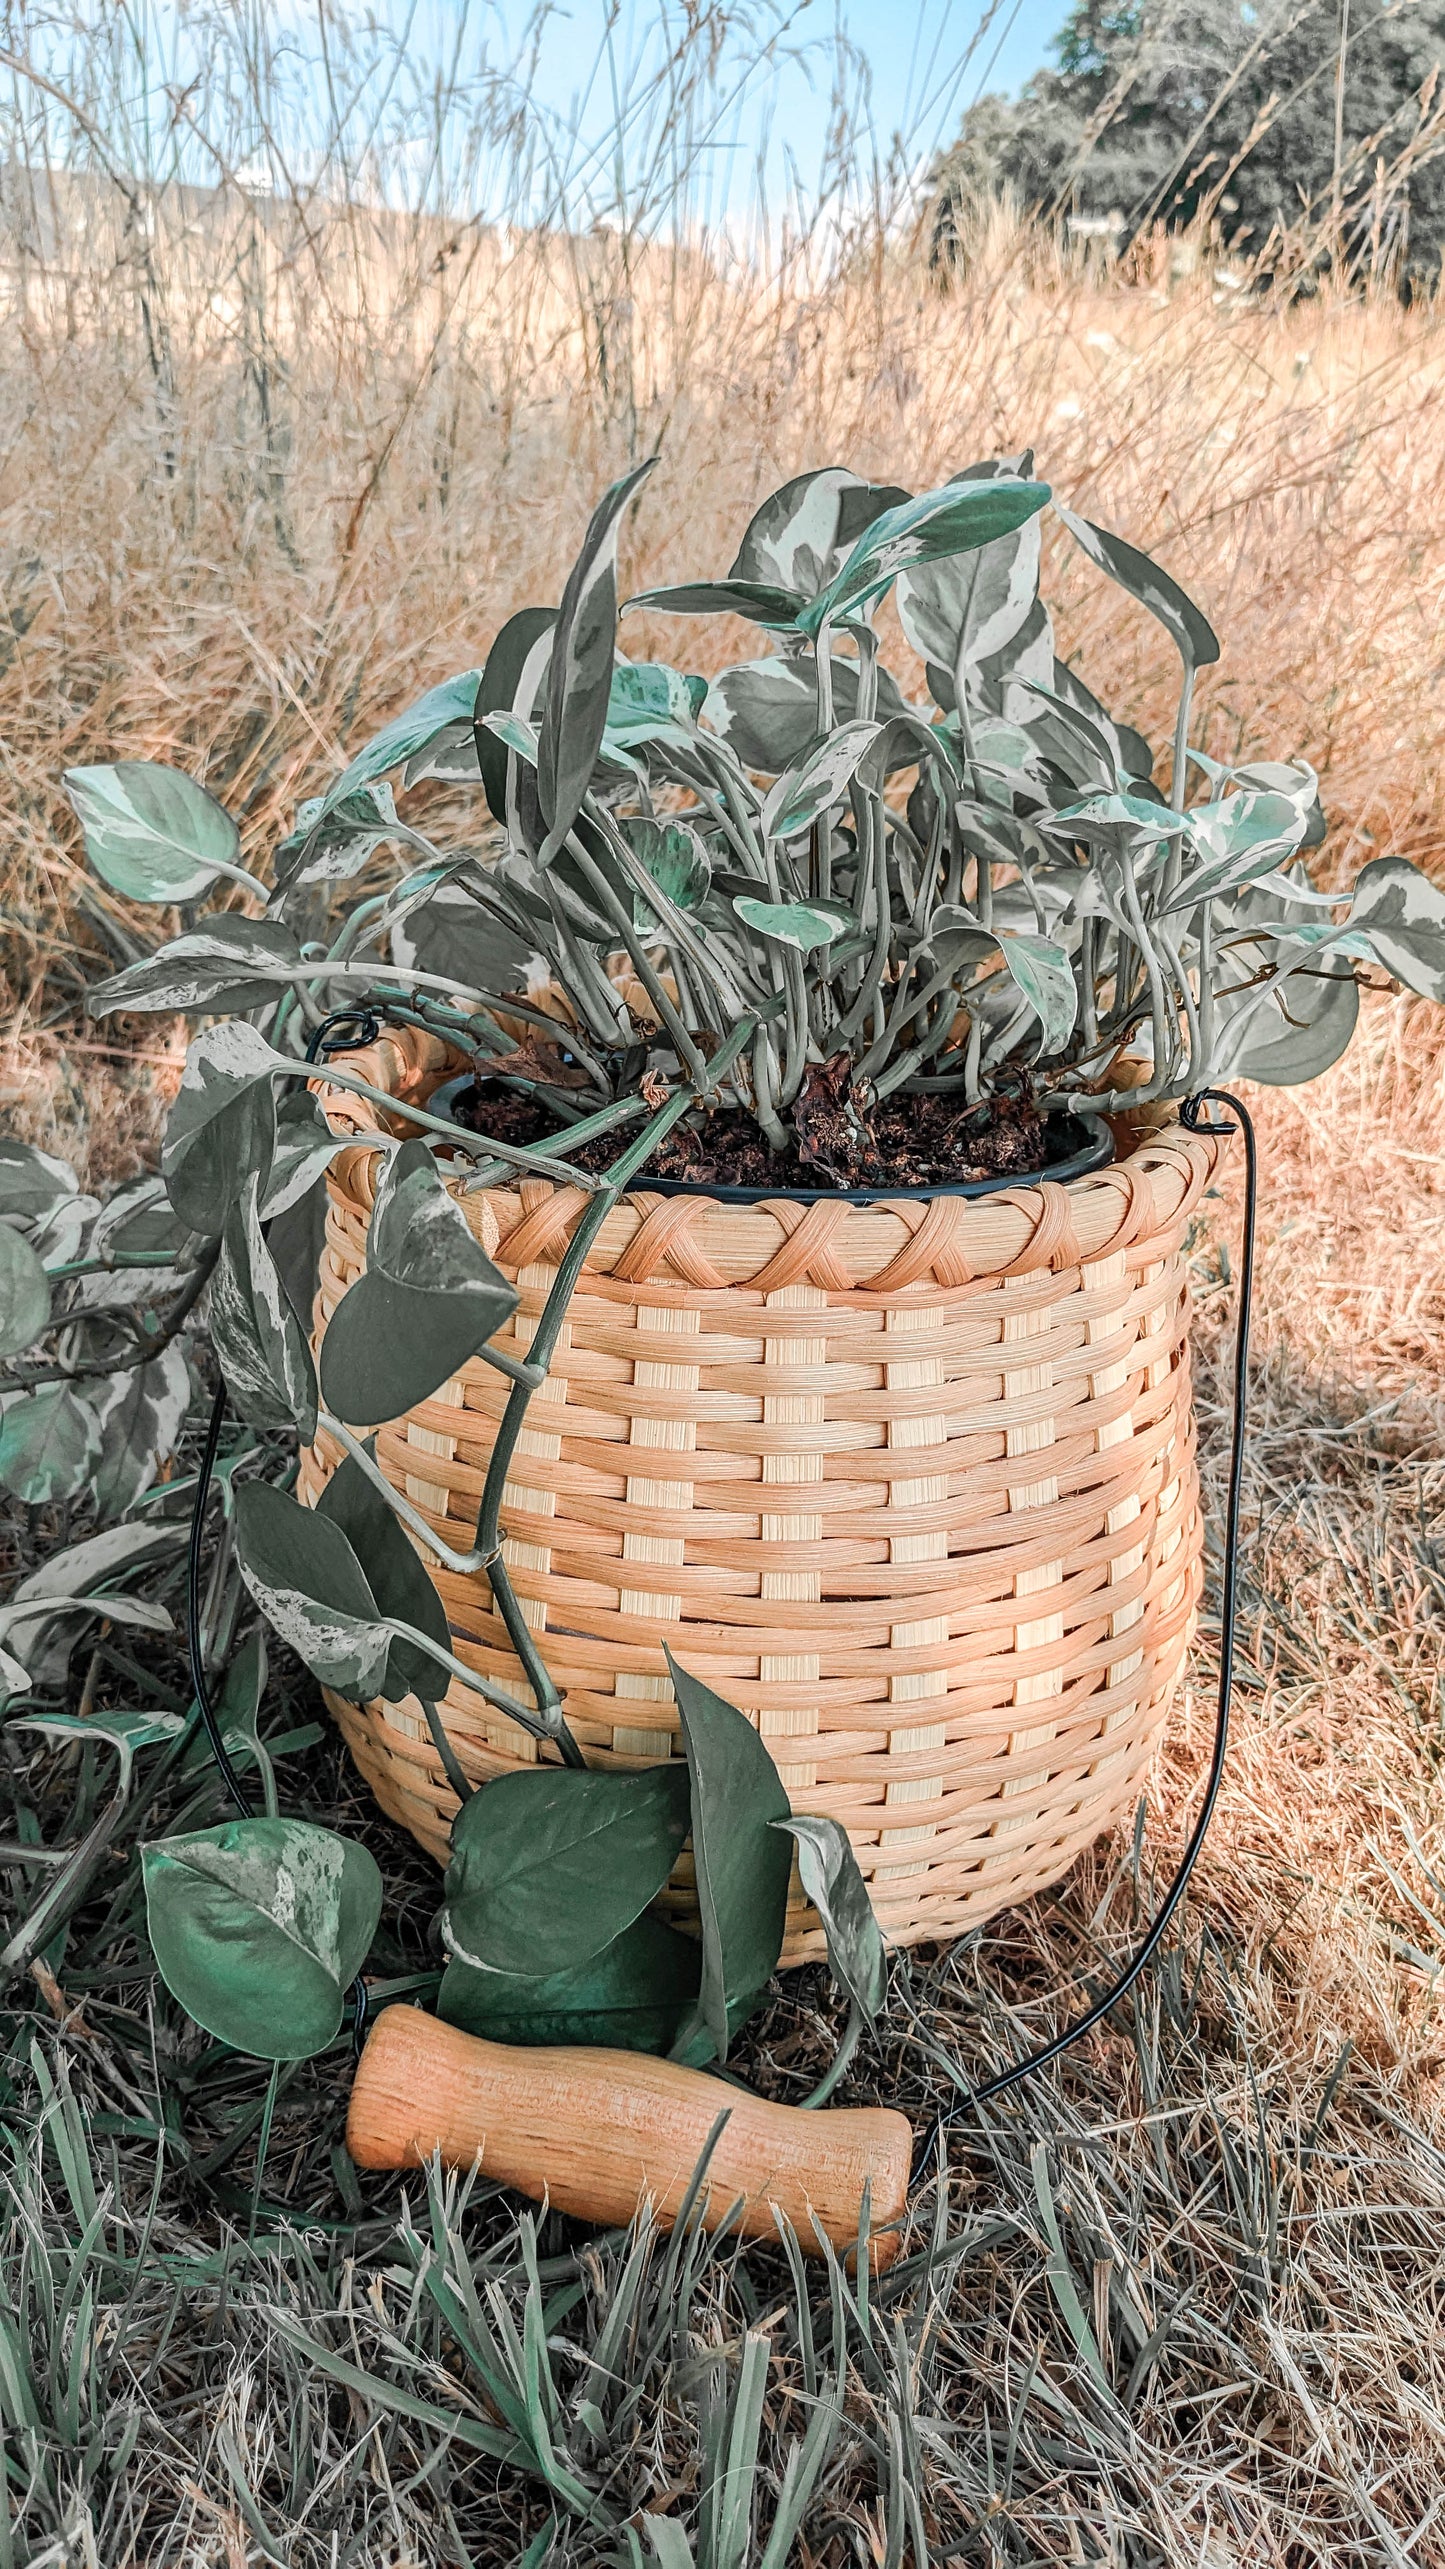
{"x":393,"y":1752}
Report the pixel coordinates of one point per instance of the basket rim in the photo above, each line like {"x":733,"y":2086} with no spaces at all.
{"x":697,"y":1237}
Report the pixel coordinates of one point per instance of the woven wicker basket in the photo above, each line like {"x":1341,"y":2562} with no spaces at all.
{"x":913,"y":1484}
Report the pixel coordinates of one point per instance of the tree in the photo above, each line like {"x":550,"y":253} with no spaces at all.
{"x":1166,"y":110}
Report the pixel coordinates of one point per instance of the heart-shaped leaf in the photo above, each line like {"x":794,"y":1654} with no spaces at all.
{"x":32,"y":1182}
{"x":395,"y":1574}
{"x":430,"y":1297}
{"x":259,"y":1927}
{"x":230,"y":964}
{"x":140,"y":1416}
{"x":451,"y":933}
{"x":1039,"y":967}
{"x":550,"y":1866}
{"x":258,"y":1339}
{"x":24,"y":1293}
{"x":49,"y":1440}
{"x":646,"y":697}
{"x":1403,"y":914}
{"x":579,"y":673}
{"x":963,"y":612}
{"x":403,"y":736}
{"x":800,"y":924}
{"x":677,"y":861}
{"x":307,"y":1581}
{"x":222,"y":1124}
{"x":1191,"y":633}
{"x":802,"y":533}
{"x":633,"y":1995}
{"x":151,"y":833}
{"x":332,"y":840}
{"x":800,"y":796}
{"x":767,"y":710}
{"x":937,"y":524}
{"x":742,"y":1863}
{"x":828,"y":1871}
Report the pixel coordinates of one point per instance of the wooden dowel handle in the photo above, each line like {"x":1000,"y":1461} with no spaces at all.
{"x":598,"y":2133}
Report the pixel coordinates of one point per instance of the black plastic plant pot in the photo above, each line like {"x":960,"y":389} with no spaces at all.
{"x":1077,"y":1144}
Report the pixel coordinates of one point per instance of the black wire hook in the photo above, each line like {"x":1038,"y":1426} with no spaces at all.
{"x":1192,"y":1117}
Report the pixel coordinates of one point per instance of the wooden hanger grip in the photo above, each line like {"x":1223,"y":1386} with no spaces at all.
{"x":600,"y":2132}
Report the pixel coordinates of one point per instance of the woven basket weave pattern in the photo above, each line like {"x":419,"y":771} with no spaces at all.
{"x":912,"y":1484}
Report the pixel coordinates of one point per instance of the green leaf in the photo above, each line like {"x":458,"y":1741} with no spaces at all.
{"x":799,"y":797}
{"x":1116,"y":749}
{"x":767,"y":710}
{"x":759,"y":602}
{"x":239,"y":1710}
{"x":675,"y":857}
{"x":124,"y":1731}
{"x":49,"y":1609}
{"x":801,"y":534}
{"x":24,"y":1294}
{"x":1293,"y":1030}
{"x":1242,"y":837}
{"x":799,"y":924}
{"x":430,"y":1297}
{"x":646,"y":698}
{"x":222,"y":1124}
{"x":1039,"y":968}
{"x":937,"y":524}
{"x":151,"y":833}
{"x":395,"y":1574}
{"x":1403,"y":914}
{"x":303,"y":1149}
{"x":579,"y":673}
{"x":451,"y":933}
{"x":140,"y":1220}
{"x":217,"y":969}
{"x":332,"y":841}
{"x":1190,"y":632}
{"x":49,"y":1440}
{"x":515,"y":648}
{"x":259,"y":1927}
{"x":32,"y":1182}
{"x":633,"y":1995}
{"x":258,"y":1339}
{"x":1299,"y":1029}
{"x":307,"y":1581}
{"x":964,"y":612}
{"x":140,"y":1416}
{"x":549,"y":1866}
{"x":742,"y":1864}
{"x":401,"y":738}
{"x":828,"y":1870}
{"x":515,"y":732}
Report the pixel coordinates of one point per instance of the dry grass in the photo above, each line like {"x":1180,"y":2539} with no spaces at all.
{"x":344,"y":469}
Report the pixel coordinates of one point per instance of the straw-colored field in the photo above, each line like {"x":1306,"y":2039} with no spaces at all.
{"x":338,"y":464}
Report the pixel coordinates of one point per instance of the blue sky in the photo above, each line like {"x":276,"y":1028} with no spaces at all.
{"x":513,"y":106}
{"x":926,"y":60}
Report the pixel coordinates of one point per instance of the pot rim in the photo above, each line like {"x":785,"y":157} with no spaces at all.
{"x":1096,"y":1150}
